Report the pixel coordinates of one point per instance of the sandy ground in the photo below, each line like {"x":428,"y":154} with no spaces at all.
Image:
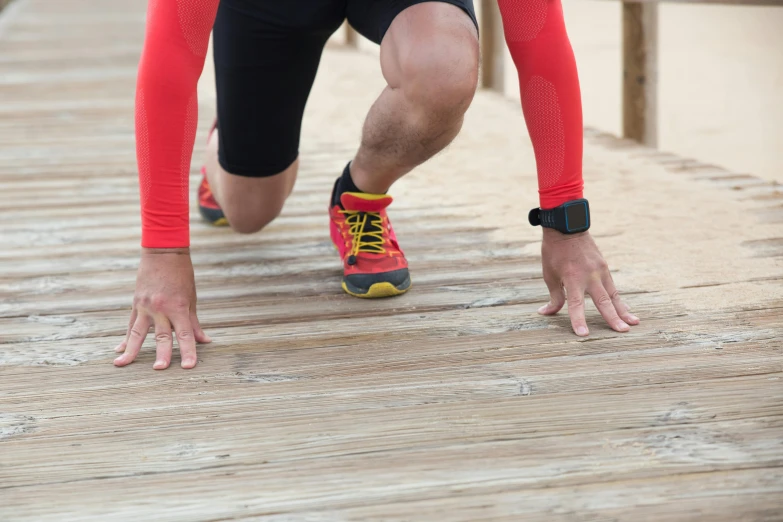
{"x":721,"y":74}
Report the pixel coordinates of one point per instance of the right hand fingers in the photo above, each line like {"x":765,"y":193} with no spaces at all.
{"x":576,"y":310}
{"x":185,"y":340}
{"x":136,"y":336}
{"x":605,"y":306}
{"x":557,"y":296}
{"x":201,"y":336}
{"x":163,"y":343}
{"x":622,"y":309}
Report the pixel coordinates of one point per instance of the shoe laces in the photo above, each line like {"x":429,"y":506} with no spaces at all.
{"x":367,"y":231}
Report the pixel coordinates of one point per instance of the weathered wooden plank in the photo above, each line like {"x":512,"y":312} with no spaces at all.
{"x":699,"y":496}
{"x":695,"y":495}
{"x":286,"y":483}
{"x":407,"y":412}
{"x":522,"y":361}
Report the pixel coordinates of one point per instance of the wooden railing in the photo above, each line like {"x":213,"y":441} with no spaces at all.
{"x":640,"y":59}
{"x":640,"y":64}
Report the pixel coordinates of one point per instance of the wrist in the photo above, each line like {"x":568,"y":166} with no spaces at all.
{"x":550,"y":234}
{"x":156,"y":251}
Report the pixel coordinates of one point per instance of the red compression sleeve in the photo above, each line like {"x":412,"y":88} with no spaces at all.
{"x":167,"y":113}
{"x":549,"y":86}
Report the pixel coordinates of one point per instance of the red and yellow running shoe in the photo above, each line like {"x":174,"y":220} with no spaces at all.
{"x":207,"y":206}
{"x":374,"y":265}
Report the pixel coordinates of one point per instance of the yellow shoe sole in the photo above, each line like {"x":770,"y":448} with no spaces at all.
{"x":377,"y":291}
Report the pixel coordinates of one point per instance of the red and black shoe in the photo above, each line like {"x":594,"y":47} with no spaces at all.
{"x":374,"y":265}
{"x":207,"y":206}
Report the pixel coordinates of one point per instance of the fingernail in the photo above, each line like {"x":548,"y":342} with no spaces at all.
{"x":623,"y":326}
{"x":118,"y":348}
{"x":582,"y":330}
{"x":118,"y":360}
{"x":543,"y":309}
{"x":159,"y":365}
{"x":209,"y":339}
{"x":634,"y":318}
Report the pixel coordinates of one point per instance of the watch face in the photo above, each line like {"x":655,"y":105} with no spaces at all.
{"x":576,"y":216}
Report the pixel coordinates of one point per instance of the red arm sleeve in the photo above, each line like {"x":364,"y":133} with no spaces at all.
{"x":175,"y":48}
{"x":551,"y":101}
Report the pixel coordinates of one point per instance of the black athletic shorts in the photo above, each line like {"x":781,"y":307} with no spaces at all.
{"x":266,"y":57}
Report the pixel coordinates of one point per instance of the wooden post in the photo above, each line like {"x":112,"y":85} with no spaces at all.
{"x":492,"y":46}
{"x":640,"y":72}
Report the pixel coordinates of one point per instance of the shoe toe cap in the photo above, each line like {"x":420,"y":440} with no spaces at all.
{"x":399,"y":278}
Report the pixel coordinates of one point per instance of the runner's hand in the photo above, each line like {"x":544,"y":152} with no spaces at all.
{"x":166,"y":300}
{"x":573,"y":267}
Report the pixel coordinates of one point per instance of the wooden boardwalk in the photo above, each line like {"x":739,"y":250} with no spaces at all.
{"x":454,"y":402}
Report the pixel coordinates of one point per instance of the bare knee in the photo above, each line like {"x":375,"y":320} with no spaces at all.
{"x":252,"y":222}
{"x":250,"y":204}
{"x":440,"y":77}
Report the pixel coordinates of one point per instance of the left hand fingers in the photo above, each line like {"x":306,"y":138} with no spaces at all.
{"x":200,"y":335}
{"x":185,"y":340}
{"x":163,"y":343}
{"x":604,"y":304}
{"x":619,"y":304}
{"x":121,"y":347}
{"x":136,"y":339}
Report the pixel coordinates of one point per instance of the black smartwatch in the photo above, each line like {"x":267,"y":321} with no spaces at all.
{"x":569,"y":218}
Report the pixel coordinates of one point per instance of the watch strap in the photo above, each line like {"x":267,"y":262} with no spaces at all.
{"x":545,"y":218}
{"x":534,"y":216}
{"x":557,"y":218}
{"x":549,"y":218}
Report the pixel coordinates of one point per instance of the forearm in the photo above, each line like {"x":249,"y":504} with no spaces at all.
{"x":167,"y":115}
{"x":551,"y":100}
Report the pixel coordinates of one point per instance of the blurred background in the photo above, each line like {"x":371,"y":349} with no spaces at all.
{"x":720,"y":79}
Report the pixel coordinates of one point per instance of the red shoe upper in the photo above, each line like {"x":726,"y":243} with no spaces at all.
{"x":362,"y":233}
{"x":205,"y":196}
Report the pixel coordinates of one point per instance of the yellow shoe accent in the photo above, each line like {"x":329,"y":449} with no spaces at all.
{"x":378,"y":290}
{"x":222,"y":222}
{"x":368,"y":197}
